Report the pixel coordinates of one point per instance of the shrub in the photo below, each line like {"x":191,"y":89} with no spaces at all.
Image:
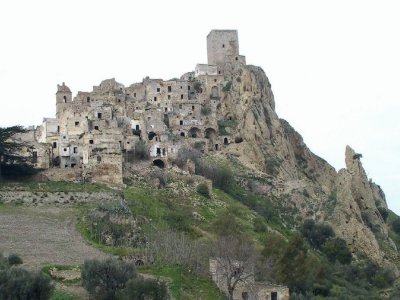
{"x":14,"y":259}
{"x":227,"y":86}
{"x":103,"y":278}
{"x":18,"y":283}
{"x":205,"y":110}
{"x":384,"y":213}
{"x":141,"y":289}
{"x":396,"y":225}
{"x":316,"y":234}
{"x":220,"y":175}
{"x":179,"y":221}
{"x":337,"y":250}
{"x":203,"y":189}
{"x":141,"y":151}
{"x":259,"y":225}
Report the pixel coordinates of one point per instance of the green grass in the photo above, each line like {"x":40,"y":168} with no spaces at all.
{"x":46,"y":269}
{"x":61,"y":295}
{"x":184,"y":285}
{"x":53,"y":186}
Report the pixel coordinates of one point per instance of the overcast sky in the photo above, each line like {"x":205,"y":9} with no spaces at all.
{"x":334,"y":66}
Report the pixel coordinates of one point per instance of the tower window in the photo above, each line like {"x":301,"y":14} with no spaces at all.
{"x":88,"y":99}
{"x":158,"y":90}
{"x":181,"y":96}
{"x":155,"y":98}
{"x":54,"y":145}
{"x":180,"y":122}
{"x":99,"y":115}
{"x":169,"y":89}
{"x":65,"y":99}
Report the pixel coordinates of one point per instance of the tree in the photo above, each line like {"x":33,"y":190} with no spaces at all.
{"x":336,"y":249}
{"x":316,"y":234}
{"x":104,"y":278}
{"x":141,"y":289}
{"x":11,"y":161}
{"x":235,"y":259}
{"x":18,"y":283}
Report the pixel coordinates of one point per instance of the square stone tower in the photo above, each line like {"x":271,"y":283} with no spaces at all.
{"x":222,"y":46}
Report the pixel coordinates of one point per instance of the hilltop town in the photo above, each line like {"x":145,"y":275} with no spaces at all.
{"x":95,"y":133}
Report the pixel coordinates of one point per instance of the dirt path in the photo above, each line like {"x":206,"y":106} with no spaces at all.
{"x":43,"y":236}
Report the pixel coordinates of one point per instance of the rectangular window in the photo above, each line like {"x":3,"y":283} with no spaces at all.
{"x":192,"y":107}
{"x":75,"y":149}
{"x":155,"y":98}
{"x":99,"y":115}
{"x":65,"y":149}
{"x":169,"y":89}
{"x":96,"y":127}
{"x":54,"y":145}
{"x":88,"y":99}
{"x":180,"y":122}
{"x":188,"y":87}
{"x":182,"y":97}
{"x":76,"y":124}
{"x":91,"y":142}
{"x":158,"y":90}
{"x":169,"y":97}
{"x":134,"y":95}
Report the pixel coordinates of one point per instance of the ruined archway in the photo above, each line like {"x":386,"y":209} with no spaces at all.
{"x":159,"y":163}
{"x":214,"y":92}
{"x":151,"y":135}
{"x":210,"y":133}
{"x":194,"y":132}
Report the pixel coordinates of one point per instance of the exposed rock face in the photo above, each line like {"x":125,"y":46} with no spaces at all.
{"x":271,"y":147}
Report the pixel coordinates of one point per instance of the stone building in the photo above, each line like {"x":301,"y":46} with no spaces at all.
{"x":248,"y":288}
{"x":97,"y":131}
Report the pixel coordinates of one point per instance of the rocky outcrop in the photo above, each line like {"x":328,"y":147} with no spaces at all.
{"x":271,"y":147}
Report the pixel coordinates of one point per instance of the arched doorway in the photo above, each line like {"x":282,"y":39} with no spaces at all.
{"x":159,"y":163}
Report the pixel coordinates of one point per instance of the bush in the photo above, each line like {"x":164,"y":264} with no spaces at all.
{"x":141,"y":151}
{"x":14,"y":259}
{"x":384,"y":213}
{"x":337,"y":250}
{"x":103,"y":278}
{"x":203,"y":189}
{"x":259,"y":225}
{"x":179,"y":221}
{"x":18,"y":283}
{"x":141,"y":289}
{"x":220,"y":175}
{"x":316,"y":234}
{"x":396,"y":225}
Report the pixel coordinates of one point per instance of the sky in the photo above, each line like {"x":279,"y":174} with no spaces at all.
{"x":334,"y":66}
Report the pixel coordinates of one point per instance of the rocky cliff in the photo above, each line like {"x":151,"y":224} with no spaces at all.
{"x":272,"y":149}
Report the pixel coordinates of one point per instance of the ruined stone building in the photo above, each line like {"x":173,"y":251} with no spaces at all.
{"x":246,"y":288}
{"x":96,"y":132}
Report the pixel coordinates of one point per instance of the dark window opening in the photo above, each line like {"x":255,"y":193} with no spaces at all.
{"x":91,"y":142}
{"x":88,"y":99}
{"x":169,"y":89}
{"x":166,"y":109}
{"x":98,"y":158}
{"x":158,"y":90}
{"x":180,"y":106}
{"x":134,"y":94}
{"x":151,"y":135}
{"x":58,"y":128}
{"x":181,"y":87}
{"x":274,"y":296}
{"x":155,"y":98}
{"x":64,"y":137}
{"x":99,"y":115}
{"x":236,"y":58}
{"x":73,"y":165}
{"x":65,"y":149}
{"x":159,"y":163}
{"x":223,"y":45}
{"x":65,"y":166}
{"x":181,"y":97}
{"x":34,"y":157}
{"x":169,"y":97}
{"x":245,"y":295}
{"x":216,"y":146}
{"x":192,"y":107}
{"x":182,"y":134}
{"x":54,"y":145}
{"x":219,"y":72}
{"x":163,"y":152}
{"x":75,"y":149}
{"x":137,"y":127}
{"x":96,"y":127}
{"x":181,"y":122}
{"x":215,"y":80}
{"x":225,"y":141}
{"x":188,"y":87}
{"x":158,"y":151}
{"x":119,"y":100}
{"x":65,"y":99}
{"x":76,"y":123}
